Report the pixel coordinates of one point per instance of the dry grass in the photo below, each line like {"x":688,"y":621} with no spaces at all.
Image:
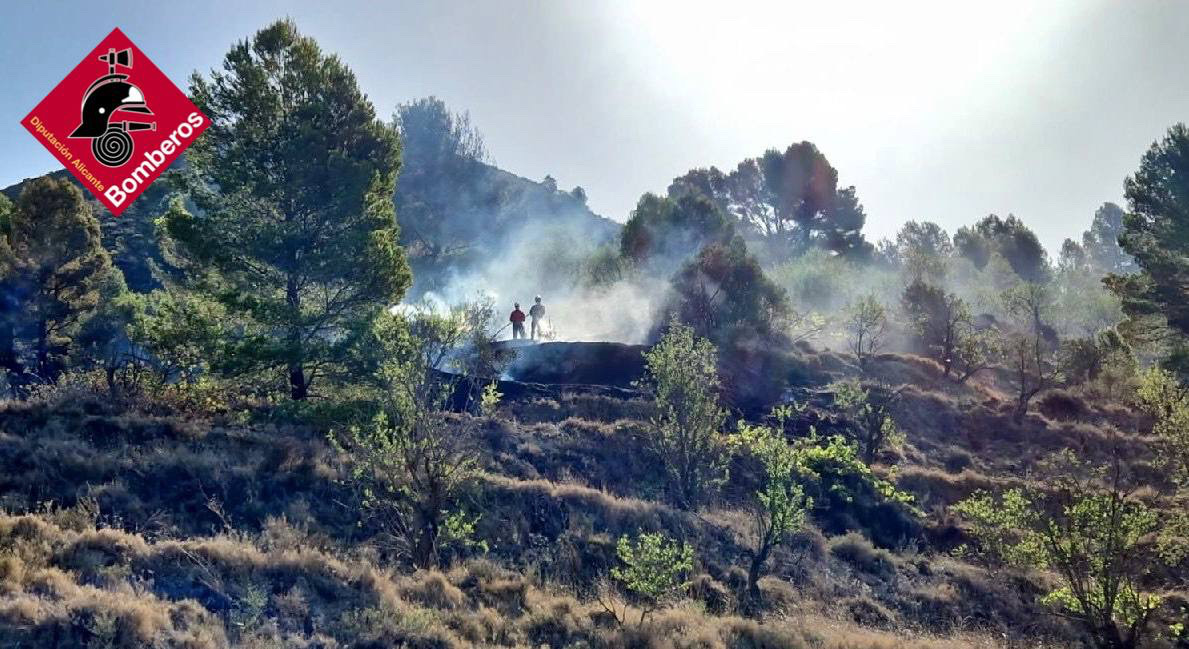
{"x":104,"y":587}
{"x":171,"y":531}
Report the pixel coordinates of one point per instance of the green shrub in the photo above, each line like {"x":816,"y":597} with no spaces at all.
{"x":654,"y":569}
{"x":686,"y":435}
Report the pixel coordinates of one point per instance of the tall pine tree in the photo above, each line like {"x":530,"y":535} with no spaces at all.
{"x":295,"y":231}
{"x":1156,"y":233}
{"x":52,"y":265}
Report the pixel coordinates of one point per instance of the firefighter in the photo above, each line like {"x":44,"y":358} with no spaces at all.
{"x":517,"y":320}
{"x":537,"y":313}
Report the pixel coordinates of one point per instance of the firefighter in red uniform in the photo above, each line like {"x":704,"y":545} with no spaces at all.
{"x":517,"y":320}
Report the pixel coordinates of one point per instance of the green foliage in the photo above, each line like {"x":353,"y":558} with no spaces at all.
{"x":1085,"y":305}
{"x":411,"y":461}
{"x":295,"y":232}
{"x":872,"y":427}
{"x":786,"y":201}
{"x":663,"y":232}
{"x":459,"y":531}
{"x":1103,"y":363}
{"x":923,"y":250}
{"x":437,"y":145}
{"x":725,"y":296}
{"x":52,"y":270}
{"x":944,"y":328}
{"x":780,"y":503}
{"x":999,"y":525}
{"x":1084,"y":526}
{"x":818,"y":280}
{"x":103,"y":337}
{"x":490,"y":400}
{"x":832,"y":469}
{"x":1030,"y":351}
{"x":604,"y":267}
{"x":457,"y":212}
{"x":866,"y":325}
{"x":1156,"y":233}
{"x":1103,"y":253}
{"x":1167,"y":401}
{"x":654,"y":569}
{"x":1009,"y":238}
{"x":686,"y":435}
{"x":183,"y":333}
{"x":432,"y":136}
{"x":5,"y":216}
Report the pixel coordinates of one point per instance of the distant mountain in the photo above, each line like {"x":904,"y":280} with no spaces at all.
{"x":452,"y":216}
{"x":462,"y":215}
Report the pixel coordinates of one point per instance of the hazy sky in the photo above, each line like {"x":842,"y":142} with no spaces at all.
{"x":943,"y":111}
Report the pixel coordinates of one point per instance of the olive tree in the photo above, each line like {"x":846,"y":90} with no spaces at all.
{"x":1030,"y":351}
{"x":945,"y":329}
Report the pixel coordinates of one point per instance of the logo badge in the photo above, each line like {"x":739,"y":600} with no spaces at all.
{"x":116,"y":122}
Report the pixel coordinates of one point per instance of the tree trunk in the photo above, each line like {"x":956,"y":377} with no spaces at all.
{"x":43,"y":351}
{"x":751,"y":607}
{"x":1022,"y":402}
{"x":1109,"y":637}
{"x":298,"y":387}
{"x":110,"y":374}
{"x":8,"y":358}
{"x":8,"y":349}
{"x":425,"y":554}
{"x":1021,"y":410}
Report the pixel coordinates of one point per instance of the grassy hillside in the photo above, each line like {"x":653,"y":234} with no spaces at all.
{"x":132,"y":525}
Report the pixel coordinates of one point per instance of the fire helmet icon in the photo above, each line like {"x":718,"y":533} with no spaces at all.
{"x":110,"y":141}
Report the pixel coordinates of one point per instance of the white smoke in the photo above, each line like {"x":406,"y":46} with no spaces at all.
{"x":552,"y":260}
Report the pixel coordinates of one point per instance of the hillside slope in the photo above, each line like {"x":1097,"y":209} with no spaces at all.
{"x":140,"y":526}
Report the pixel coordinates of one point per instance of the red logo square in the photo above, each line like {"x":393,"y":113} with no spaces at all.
{"x":116,"y":122}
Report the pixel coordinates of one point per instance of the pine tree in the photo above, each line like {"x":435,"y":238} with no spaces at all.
{"x":785,"y":201}
{"x":1156,"y":233}
{"x":52,"y":265}
{"x":294,"y":182}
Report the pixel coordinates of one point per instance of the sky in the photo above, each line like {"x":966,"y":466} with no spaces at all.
{"x":940,"y":111}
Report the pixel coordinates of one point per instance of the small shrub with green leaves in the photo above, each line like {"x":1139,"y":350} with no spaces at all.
{"x":686,"y":435}
{"x":490,"y":400}
{"x":866,"y":327}
{"x":870,"y":417}
{"x":780,"y":503}
{"x":1029,"y":352}
{"x":1086,"y":526}
{"x":410,"y":460}
{"x":1162,"y":396}
{"x":1167,"y":401}
{"x":654,"y":569}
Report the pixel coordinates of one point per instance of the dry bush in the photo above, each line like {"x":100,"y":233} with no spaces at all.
{"x":1061,"y":405}
{"x":431,"y":589}
{"x":854,"y":549}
